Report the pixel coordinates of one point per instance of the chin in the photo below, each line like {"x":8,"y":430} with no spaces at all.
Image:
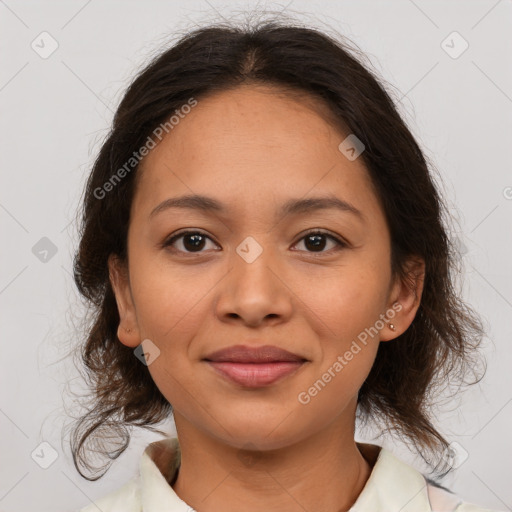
{"x":261,"y":436}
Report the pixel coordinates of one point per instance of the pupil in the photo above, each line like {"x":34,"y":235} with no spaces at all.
{"x":198,"y":242}
{"x":319,"y":241}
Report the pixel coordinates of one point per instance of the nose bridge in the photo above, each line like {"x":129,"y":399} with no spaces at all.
{"x":253,"y":263}
{"x":253,"y":291}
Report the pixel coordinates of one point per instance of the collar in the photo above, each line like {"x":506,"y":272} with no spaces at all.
{"x":161,"y":458}
{"x":392,"y":485}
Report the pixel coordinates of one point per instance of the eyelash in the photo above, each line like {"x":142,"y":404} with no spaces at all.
{"x":340,"y":244}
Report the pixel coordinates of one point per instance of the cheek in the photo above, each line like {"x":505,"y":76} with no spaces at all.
{"x":336,"y":384}
{"x":169,"y":302}
{"x":170,"y":310}
{"x":348,"y":299}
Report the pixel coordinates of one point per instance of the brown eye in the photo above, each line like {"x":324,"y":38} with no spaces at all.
{"x":188,"y":241}
{"x":316,"y":241}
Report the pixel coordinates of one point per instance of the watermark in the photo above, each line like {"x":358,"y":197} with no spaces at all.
{"x":44,"y":250}
{"x":454,"y":45}
{"x":137,"y":156}
{"x":249,"y":454}
{"x":147,"y":352}
{"x":304,"y":397}
{"x":44,"y":45}
{"x":249,"y":249}
{"x":351,"y":147}
{"x":44,"y":455}
{"x":455,"y":455}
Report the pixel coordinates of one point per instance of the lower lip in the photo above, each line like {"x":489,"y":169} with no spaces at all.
{"x":255,"y":375}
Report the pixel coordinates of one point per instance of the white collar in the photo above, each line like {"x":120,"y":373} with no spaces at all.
{"x":392,"y":485}
{"x":156,"y":492}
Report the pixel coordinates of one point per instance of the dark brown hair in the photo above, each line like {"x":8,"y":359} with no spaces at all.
{"x":440,"y":346}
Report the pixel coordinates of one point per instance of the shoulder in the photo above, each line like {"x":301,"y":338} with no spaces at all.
{"x":443,"y":500}
{"x":395,"y":485}
{"x":125,"y":499}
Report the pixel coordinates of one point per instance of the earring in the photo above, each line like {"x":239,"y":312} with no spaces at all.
{"x":128,"y":330}
{"x":392,"y":327}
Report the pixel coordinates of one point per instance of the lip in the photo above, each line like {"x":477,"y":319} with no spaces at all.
{"x":254,"y":367}
{"x":245,"y":354}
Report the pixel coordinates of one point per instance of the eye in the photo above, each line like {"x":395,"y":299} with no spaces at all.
{"x":192,"y":241}
{"x":315,"y":239}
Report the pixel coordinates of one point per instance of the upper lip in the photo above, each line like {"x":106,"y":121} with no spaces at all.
{"x":245,"y":354}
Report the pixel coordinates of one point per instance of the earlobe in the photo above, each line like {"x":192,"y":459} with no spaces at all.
{"x":127,"y":331}
{"x":405,"y":300}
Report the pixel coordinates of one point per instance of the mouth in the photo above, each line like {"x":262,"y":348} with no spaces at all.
{"x":254,"y":367}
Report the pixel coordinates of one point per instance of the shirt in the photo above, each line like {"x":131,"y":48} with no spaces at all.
{"x":392,"y":486}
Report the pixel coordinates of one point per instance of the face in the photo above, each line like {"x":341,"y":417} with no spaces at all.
{"x":312,"y":281}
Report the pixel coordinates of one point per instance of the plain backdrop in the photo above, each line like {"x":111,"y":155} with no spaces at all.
{"x":58,"y":92}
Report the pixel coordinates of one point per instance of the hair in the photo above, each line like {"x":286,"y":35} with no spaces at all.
{"x":439,"y":346}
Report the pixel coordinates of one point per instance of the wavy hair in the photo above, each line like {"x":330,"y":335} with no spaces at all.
{"x":438,"y":348}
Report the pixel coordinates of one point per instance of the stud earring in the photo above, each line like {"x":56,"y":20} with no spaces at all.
{"x":392,"y":327}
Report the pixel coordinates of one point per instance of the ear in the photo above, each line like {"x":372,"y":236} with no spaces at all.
{"x":128,"y":329}
{"x":404,"y":299}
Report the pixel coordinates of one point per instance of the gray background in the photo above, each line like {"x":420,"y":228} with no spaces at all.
{"x":55,"y":113}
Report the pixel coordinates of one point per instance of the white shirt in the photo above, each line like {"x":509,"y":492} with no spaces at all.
{"x":392,"y":486}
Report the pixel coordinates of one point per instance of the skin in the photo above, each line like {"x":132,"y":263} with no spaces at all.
{"x":260,"y":449}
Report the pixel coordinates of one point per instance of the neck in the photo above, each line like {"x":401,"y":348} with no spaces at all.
{"x":326,"y":471}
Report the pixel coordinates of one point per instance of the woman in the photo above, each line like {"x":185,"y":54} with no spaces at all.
{"x":267,"y":257}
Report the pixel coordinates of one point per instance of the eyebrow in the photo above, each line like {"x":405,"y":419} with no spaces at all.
{"x":291,"y":207}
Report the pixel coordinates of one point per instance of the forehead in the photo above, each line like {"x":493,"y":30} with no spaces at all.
{"x":251,"y":143}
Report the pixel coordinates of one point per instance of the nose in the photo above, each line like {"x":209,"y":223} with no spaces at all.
{"x":255,"y":292}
